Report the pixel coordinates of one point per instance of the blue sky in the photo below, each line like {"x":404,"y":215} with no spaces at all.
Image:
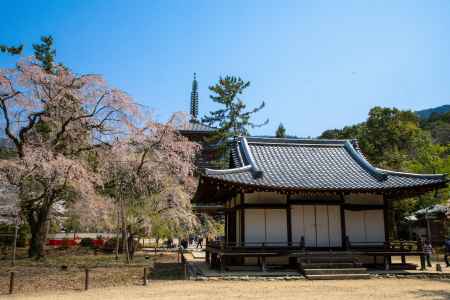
{"x":316,"y":64}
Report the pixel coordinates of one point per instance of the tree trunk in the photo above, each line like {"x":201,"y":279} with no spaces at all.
{"x":124,"y":230}
{"x":38,"y":228}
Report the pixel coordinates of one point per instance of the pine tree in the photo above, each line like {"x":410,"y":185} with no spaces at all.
{"x":232,"y":119}
{"x":281,"y":131}
{"x":11,"y":49}
{"x":45,"y":53}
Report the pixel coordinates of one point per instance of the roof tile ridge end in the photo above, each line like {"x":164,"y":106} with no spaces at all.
{"x":210,"y":172}
{"x":257,"y":173}
{"x":363,"y":162}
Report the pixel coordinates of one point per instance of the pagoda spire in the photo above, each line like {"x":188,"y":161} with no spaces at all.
{"x":194,"y":99}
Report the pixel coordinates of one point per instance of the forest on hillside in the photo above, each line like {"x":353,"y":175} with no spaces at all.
{"x":402,"y":141}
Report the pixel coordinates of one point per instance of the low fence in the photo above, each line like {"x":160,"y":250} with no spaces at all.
{"x":78,"y":278}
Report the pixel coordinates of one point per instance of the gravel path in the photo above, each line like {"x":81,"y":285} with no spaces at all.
{"x":378,"y":289}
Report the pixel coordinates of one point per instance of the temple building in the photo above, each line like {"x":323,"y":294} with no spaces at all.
{"x":286,"y":199}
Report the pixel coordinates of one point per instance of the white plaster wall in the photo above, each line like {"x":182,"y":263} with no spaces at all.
{"x":276,"y":226}
{"x":255,"y":227}
{"x":365,"y":226}
{"x":265,"y":226}
{"x":320,"y":225}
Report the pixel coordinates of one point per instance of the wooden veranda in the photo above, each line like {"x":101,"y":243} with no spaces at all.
{"x":220,"y":255}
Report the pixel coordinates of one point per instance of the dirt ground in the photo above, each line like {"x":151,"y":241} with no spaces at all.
{"x":403,"y":289}
{"x":64,"y":271}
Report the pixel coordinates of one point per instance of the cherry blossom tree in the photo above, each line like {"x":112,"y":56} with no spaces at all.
{"x":151,"y":173}
{"x":57,"y":121}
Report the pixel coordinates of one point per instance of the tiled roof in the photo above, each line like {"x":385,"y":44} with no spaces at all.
{"x":311,"y":164}
{"x":195,"y":126}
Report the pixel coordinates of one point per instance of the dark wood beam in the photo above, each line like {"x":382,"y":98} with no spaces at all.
{"x":242,"y":215}
{"x":343,"y":227}
{"x":288,"y":220}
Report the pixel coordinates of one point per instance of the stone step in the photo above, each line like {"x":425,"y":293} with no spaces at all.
{"x":308,"y":272}
{"x":328,"y":258}
{"x":338,"y":276}
{"x":332,"y":265}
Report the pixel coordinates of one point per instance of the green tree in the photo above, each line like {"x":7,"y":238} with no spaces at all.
{"x":398,"y":140}
{"x":233,"y":118}
{"x":281,"y":131}
{"x":13,"y":50}
{"x":45,"y":53}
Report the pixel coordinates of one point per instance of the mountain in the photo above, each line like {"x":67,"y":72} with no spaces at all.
{"x":426,"y":113}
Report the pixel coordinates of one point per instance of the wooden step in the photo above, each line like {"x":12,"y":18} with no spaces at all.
{"x":308,"y":272}
{"x":338,"y":276}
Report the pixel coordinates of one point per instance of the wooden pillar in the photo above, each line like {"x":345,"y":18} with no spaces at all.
{"x":343,"y":227}
{"x":226,"y":225}
{"x":263,"y":263}
{"x":242,"y":216}
{"x":386,"y":263}
{"x":386,"y":212}
{"x":289,"y":221}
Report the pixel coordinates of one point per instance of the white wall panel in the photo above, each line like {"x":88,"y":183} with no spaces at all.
{"x":254,"y":226}
{"x":276,"y":226}
{"x":334,"y":219}
{"x":354,"y":225}
{"x":374,"y":226}
{"x":322,"y":226}
{"x":310,"y":225}
{"x":297,"y":223}
{"x":365,"y":226}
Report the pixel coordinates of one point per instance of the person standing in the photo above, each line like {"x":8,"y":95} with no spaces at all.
{"x":200,"y":242}
{"x":447,"y":251}
{"x":428,"y":249}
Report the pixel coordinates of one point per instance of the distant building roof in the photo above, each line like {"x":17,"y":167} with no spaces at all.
{"x":195,"y":127}
{"x":432,"y":211}
{"x":312,"y":165}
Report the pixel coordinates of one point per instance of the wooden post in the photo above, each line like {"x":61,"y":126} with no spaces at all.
{"x":386,"y":263}
{"x":145,"y":276}
{"x":222,"y":263}
{"x":263,"y":263}
{"x":402,"y":248}
{"x":11,"y":283}
{"x":86,"y":279}
{"x":185,"y":270}
{"x":16,"y":230}
{"x":422,"y":263}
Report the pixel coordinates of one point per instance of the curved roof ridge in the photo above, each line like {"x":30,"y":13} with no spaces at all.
{"x":380,"y":173}
{"x":363,"y":162}
{"x":226,"y":171}
{"x":271,"y":140}
{"x":415,"y":175}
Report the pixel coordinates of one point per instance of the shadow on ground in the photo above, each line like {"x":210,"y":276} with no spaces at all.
{"x":435,"y":295}
{"x":167,"y":271}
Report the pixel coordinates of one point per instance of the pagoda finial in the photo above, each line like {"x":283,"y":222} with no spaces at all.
{"x":194,"y":99}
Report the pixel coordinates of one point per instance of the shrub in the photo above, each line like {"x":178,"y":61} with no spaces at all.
{"x":65,"y":244}
{"x":87,"y":243}
{"x":110,"y":245}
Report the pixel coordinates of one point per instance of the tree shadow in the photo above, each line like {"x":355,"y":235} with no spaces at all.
{"x":435,"y":295}
{"x":167,"y":271}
